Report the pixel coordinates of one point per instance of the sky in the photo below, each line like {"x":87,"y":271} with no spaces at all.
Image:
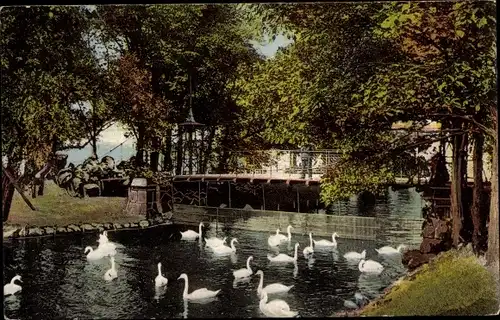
{"x":114,"y":136}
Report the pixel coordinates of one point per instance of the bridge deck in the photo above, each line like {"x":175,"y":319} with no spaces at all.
{"x":265,"y":178}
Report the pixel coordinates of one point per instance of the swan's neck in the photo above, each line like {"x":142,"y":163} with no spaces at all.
{"x":113,"y":264}
{"x":199,"y":230}
{"x":295,"y":254}
{"x":277,"y":231}
{"x":159,"y":270}
{"x":13,"y":280}
{"x":232,"y":246}
{"x":333,"y":238}
{"x":360,"y":265}
{"x":399,"y":248}
{"x":289,"y":235}
{"x":186,"y":285}
{"x":310,"y":240}
{"x":248,"y":265}
{"x":261,"y":283}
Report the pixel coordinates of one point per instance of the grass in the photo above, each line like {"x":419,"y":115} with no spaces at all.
{"x":57,"y":208}
{"x":455,"y":283}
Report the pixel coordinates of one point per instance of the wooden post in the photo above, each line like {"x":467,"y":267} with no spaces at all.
{"x":263,"y":198}
{"x":199,"y":194}
{"x":229,"y":188}
{"x":298,"y":199}
{"x":206,"y":195}
{"x":172,"y":192}
{"x":12,"y":180}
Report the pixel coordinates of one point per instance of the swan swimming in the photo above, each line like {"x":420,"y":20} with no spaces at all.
{"x":160,"y":280}
{"x":199,"y":294}
{"x":215,"y":242}
{"x":244,"y":272}
{"x":309,"y":249}
{"x":352,"y":255}
{"x":274,"y":239}
{"x":275,"y":308}
{"x":271,"y":288}
{"x":192,"y":235}
{"x":282,"y":237}
{"x":284,"y":257}
{"x":94,"y":254}
{"x":327,"y":243}
{"x":225,"y":249}
{"x":370,"y":266}
{"x":390,"y":250}
{"x":111,"y":273}
{"x":107,"y":247}
{"x":11,"y":287}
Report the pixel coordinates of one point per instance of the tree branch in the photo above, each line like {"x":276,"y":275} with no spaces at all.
{"x":485,"y":129}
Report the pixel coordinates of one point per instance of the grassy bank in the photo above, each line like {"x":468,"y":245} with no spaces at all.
{"x":455,"y":283}
{"x":57,"y":208}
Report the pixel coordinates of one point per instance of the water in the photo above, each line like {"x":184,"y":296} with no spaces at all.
{"x":58,"y":281}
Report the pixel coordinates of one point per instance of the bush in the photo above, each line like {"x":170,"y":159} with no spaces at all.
{"x":455,"y":283}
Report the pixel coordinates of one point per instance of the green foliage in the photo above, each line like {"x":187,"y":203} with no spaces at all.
{"x":454,"y":283}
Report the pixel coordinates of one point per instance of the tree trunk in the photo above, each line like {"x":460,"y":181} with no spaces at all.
{"x":477,"y":197}
{"x":155,"y":154}
{"x":7,"y":195}
{"x":492,"y":254}
{"x":93,"y":143}
{"x":167,"y":152}
{"x":140,"y":145}
{"x":456,"y":209}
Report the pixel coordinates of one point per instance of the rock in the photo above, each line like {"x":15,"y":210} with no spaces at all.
{"x":151,"y":222}
{"x":9,"y":232}
{"x":35,"y":231}
{"x":87,"y":227}
{"x":413,"y":259}
{"x":158,"y":219}
{"x":134,"y":225}
{"x":431,"y":246}
{"x":73,"y":228}
{"x":144,"y":223}
{"x":126,"y":225}
{"x":96,"y":225}
{"x":117,"y":226}
{"x":428,"y":230}
{"x":443,"y":230}
{"x":49,"y":230}
{"x":168,"y":215}
{"x":107,"y":226}
{"x":61,"y":230}
{"x":247,"y":207}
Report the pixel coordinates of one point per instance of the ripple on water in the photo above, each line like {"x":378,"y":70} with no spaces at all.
{"x":59,"y":282}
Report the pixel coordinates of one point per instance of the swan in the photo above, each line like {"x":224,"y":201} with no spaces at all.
{"x":199,"y":294}
{"x":271,"y":288}
{"x":309,"y":249}
{"x":284,"y":257}
{"x":111,"y":273}
{"x":370,"y":266}
{"x":94,"y":254}
{"x":103,"y":238}
{"x":160,"y":280}
{"x":192,"y":235}
{"x":245,"y":272}
{"x":225,"y":249}
{"x":327,"y":243}
{"x":274,"y":239}
{"x":282,"y":237}
{"x":275,"y":308}
{"x":106,"y":246}
{"x":12,"y":288}
{"x":352,"y":255}
{"x":390,"y":250}
{"x":215,"y":242}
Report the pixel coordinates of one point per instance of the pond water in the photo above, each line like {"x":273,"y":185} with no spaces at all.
{"x":58,"y":281}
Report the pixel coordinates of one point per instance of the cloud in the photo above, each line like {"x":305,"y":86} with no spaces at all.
{"x":115,"y":135}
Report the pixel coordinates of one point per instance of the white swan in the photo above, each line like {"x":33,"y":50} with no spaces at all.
{"x":103,"y":238}
{"x":107,"y":247}
{"x":245,"y":272}
{"x":192,"y":235}
{"x":274,"y":239}
{"x":225,"y":249}
{"x":160,"y":280}
{"x":309,"y":249}
{"x":215,"y":242}
{"x":111,"y":273}
{"x":271,"y":288}
{"x":370,"y":266}
{"x":352,"y":255}
{"x":282,"y":237}
{"x":94,"y":254}
{"x":390,"y":250}
{"x":284,"y":257}
{"x":327,"y":243}
{"x":12,"y":288}
{"x":275,"y":308}
{"x":199,"y":294}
